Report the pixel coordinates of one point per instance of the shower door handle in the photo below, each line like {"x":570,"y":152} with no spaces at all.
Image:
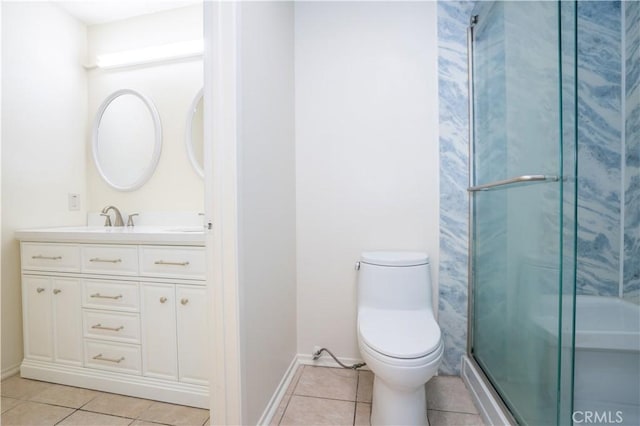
{"x":514,"y":180}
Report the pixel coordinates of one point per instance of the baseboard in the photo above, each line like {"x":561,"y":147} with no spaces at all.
{"x":10,"y":371}
{"x":280,"y":392}
{"x":491,"y":409}
{"x":125,"y":384}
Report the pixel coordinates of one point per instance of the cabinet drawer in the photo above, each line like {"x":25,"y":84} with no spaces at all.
{"x":116,"y":295}
{"x":119,"y":357}
{"x":50,"y":257}
{"x":114,"y":260}
{"x":173,"y":262}
{"x":116,"y":326}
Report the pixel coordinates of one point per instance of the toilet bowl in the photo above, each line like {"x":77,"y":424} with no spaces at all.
{"x":398,"y":336}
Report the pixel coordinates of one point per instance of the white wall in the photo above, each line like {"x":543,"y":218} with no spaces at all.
{"x":174,"y":186}
{"x":266,"y":188}
{"x":44,"y":106}
{"x":366,"y":152}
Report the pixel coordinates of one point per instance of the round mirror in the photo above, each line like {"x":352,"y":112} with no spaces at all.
{"x":127,"y":139}
{"x":195,"y":134}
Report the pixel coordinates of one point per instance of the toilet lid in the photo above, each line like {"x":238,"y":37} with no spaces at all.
{"x":395,"y":258}
{"x":399,"y":334}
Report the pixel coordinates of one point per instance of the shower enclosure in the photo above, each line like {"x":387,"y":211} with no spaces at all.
{"x":554,"y":249}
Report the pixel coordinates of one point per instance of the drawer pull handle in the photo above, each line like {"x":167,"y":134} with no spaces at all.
{"x":163,"y":299}
{"x":184,"y":301}
{"x":162,"y":262}
{"x":40,"y":289}
{"x":99,"y":357}
{"x":97,"y":259}
{"x":39,"y":256}
{"x":56,"y":291}
{"x":101,"y":327}
{"x":99,"y":296}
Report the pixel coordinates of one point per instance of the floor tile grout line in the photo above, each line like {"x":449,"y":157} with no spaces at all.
{"x":315,"y":397}
{"x":106,"y":414}
{"x":451,"y":411}
{"x":53,"y":405}
{"x":66,"y":417}
{"x":355,"y":403}
{"x":285,"y":410}
{"x":330,"y":399}
{"x":322,"y":397}
{"x":92,"y":399}
{"x":355,"y":411}
{"x":288,"y":402}
{"x":65,"y":406}
{"x":43,"y":403}
{"x":22,"y":401}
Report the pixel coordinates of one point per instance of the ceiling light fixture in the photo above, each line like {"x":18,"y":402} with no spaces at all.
{"x":151,"y":55}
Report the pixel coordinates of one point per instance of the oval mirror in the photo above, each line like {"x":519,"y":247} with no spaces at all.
{"x":127,"y":139}
{"x":195,"y":134}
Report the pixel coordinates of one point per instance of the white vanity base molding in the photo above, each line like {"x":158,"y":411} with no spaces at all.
{"x":121,"y":318}
{"x":125,"y":384}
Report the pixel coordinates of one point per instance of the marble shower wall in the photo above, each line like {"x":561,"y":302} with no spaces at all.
{"x":609,"y":149}
{"x":631,"y":273}
{"x":599,"y":147}
{"x":453,"y":19}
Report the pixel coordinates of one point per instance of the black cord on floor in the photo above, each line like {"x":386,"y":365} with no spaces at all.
{"x":317,"y":354}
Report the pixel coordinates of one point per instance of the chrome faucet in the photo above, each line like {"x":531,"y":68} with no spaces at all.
{"x":105,"y":212}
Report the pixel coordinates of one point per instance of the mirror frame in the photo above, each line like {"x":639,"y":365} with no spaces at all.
{"x":188,"y":138}
{"x":155,"y":158}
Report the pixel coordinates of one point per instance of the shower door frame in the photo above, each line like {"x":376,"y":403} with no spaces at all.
{"x":497,"y":399}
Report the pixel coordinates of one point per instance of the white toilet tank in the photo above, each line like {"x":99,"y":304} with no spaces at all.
{"x":394,"y":280}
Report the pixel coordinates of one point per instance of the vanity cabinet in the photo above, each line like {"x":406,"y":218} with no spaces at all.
{"x":159,"y":331}
{"x":174,"y":317}
{"x":191,"y":313}
{"x":51,"y":310}
{"x":122,"y":318}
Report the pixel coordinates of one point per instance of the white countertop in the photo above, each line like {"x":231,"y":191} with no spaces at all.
{"x":169,"y":235}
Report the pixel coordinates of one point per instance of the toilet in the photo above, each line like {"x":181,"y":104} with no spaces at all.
{"x":398,"y":335}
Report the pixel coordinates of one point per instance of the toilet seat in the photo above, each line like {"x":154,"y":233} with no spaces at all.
{"x":403,"y":335}
{"x":403,"y":362}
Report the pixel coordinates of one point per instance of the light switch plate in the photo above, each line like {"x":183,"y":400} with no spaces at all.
{"x":74,"y":202}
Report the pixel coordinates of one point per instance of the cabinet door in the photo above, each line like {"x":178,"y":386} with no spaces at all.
{"x":37,"y":317}
{"x":67,"y":320}
{"x":193,"y":347}
{"x":159,"y":346}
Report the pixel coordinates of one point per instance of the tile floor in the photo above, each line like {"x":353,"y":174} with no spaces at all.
{"x":34,"y":403}
{"x":332,"y":396}
{"x":316,"y":396}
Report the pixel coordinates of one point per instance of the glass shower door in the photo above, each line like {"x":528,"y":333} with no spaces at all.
{"x":523,"y":223}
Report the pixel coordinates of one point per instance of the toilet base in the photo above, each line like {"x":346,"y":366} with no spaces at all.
{"x":393,"y":406}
